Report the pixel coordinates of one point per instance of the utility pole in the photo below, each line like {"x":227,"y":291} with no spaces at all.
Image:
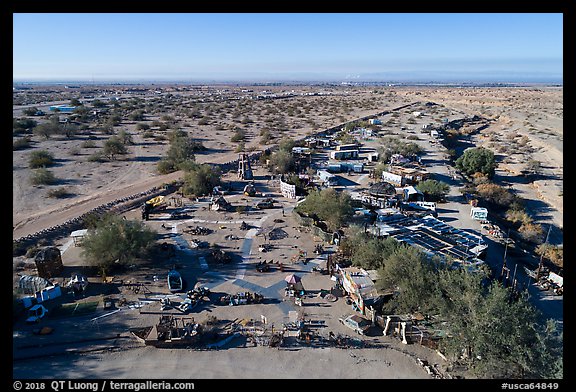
{"x":514,"y":277}
{"x":539,"y":270}
{"x":504,"y":268}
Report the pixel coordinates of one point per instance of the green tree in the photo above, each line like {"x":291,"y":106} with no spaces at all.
{"x":532,"y":232}
{"x":240,"y":147}
{"x":46,"y":130}
{"x":239,"y":136}
{"x":477,"y":159}
{"x":68,"y":129}
{"x":367,"y":251}
{"x":115,"y":119}
{"x":553,"y":253}
{"x":496,"y":335}
{"x":113,"y":147}
{"x":166,"y":166}
{"x":30,"y":111}
{"x":265,"y":136}
{"x":81,"y":113}
{"x":181,"y":149}
{"x":281,"y":162}
{"x":116,"y":241}
{"x":21,"y":143}
{"x":433,"y":189}
{"x":346,"y":138}
{"x":392,"y":145}
{"x":328,"y":205}
{"x":137,"y":115}
{"x":200,"y":180}
{"x":410,"y":271}
{"x":125,"y":137}
{"x":98,"y":103}
{"x":286,"y":144}
{"x":176,"y":133}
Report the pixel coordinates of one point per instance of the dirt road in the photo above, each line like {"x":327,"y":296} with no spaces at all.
{"x":32,"y":221}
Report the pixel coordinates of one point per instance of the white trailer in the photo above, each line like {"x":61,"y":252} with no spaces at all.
{"x":327,"y":178}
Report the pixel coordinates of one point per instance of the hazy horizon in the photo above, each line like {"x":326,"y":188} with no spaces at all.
{"x":284,"y":47}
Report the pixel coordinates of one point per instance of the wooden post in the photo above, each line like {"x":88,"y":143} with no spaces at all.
{"x":538,"y":271}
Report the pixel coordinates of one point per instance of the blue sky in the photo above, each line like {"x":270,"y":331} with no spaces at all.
{"x":284,"y":46}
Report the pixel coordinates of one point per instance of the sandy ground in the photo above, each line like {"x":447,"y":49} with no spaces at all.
{"x":233,"y":363}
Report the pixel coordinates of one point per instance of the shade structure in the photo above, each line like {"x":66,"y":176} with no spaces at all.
{"x":382,"y":189}
{"x":292,"y":278}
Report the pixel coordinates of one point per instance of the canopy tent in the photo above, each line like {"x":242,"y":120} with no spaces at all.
{"x":292,"y":279}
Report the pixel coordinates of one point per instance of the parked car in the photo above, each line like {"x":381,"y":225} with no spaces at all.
{"x":356,"y":323}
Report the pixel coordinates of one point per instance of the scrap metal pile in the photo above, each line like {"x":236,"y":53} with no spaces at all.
{"x":263,"y":266}
{"x":169,"y":332}
{"x":193,"y":298}
{"x":198,"y":230}
{"x":221,"y":257}
{"x":241,"y":298}
{"x":258,"y":333}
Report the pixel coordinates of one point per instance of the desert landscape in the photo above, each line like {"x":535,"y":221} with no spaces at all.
{"x":528,"y":124}
{"x":522,"y":124}
{"x":512,"y":109}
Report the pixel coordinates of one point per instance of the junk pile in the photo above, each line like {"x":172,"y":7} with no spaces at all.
{"x":551,"y":281}
{"x":28,"y":284}
{"x":305,"y":331}
{"x":221,"y":257}
{"x":431,"y":370}
{"x":320,"y":270}
{"x":196,"y":244}
{"x":169,"y":332}
{"x":249,"y":189}
{"x":258,"y":333}
{"x":198,"y":230}
{"x":77,"y":283}
{"x":241,"y":298}
{"x":265,"y":248}
{"x":493,"y":230}
{"x":263,"y":266}
{"x":219,"y":204}
{"x":193,"y":298}
{"x":184,"y":332}
{"x":266,"y":203}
